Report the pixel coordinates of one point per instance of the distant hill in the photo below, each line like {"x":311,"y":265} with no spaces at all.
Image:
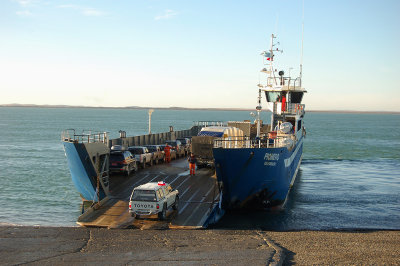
{"x":125,"y":107}
{"x":182,"y":108}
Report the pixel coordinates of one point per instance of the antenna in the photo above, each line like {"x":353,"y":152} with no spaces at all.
{"x":302,"y":45}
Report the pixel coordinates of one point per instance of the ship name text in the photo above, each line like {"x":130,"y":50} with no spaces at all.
{"x":268,"y":157}
{"x":271,"y":156}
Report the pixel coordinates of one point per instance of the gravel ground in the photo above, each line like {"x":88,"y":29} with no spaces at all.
{"x":55,"y":246}
{"x":350,"y":247}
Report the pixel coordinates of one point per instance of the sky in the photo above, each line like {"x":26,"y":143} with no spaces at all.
{"x":197,"y":54}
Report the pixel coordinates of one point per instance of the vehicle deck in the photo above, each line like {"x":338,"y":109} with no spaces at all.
{"x":198,"y":198}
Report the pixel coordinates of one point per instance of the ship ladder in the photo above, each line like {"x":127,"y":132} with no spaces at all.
{"x":97,"y":192}
{"x":98,"y":188}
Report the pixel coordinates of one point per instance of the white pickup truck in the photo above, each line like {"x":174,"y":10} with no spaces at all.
{"x":142,"y":155}
{"x":153,"y":198}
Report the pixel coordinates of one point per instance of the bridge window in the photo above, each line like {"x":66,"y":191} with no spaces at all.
{"x":296,"y":97}
{"x":272,"y":96}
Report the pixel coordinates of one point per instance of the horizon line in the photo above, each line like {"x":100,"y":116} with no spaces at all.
{"x":181,"y":108}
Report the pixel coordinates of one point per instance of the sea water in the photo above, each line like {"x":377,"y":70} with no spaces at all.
{"x":349,"y":178}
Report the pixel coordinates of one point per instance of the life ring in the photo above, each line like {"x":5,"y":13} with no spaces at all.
{"x":272,"y":135}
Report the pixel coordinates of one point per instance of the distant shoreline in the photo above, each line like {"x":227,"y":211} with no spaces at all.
{"x":186,"y":108}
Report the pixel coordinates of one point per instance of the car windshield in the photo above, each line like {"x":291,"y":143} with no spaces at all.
{"x":152,"y":149}
{"x":171,"y":143}
{"x":183,"y":141}
{"x":136,"y":150}
{"x":144,"y":195}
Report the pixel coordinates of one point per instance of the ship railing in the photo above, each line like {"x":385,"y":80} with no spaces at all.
{"x":70,"y":135}
{"x":209,"y":123}
{"x":289,"y":108}
{"x":285,"y":83}
{"x":263,"y":142}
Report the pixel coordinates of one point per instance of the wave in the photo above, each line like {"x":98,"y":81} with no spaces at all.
{"x":365,"y":160}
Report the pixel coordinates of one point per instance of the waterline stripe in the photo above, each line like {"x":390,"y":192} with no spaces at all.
{"x":289,"y":161}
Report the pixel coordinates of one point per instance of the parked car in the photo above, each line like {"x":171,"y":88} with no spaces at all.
{"x":177,"y":146}
{"x":172,"y":151}
{"x":118,"y":148}
{"x":157,"y":153}
{"x":142,"y":155}
{"x":153,"y":198}
{"x":186,"y":144}
{"x":122,"y":161}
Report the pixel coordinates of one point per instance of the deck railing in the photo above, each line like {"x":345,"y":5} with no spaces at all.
{"x":246,"y":142}
{"x":69,"y":135}
{"x":209,"y":123}
{"x":286,"y":83}
{"x":290,"y":108}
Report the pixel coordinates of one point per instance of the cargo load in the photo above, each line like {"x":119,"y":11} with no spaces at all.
{"x":203,"y":144}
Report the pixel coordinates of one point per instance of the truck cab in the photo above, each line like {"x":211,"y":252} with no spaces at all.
{"x":142,"y":155}
{"x":178,"y":147}
{"x":157,"y":153}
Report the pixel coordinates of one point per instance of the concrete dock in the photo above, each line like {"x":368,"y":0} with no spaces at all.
{"x":100,"y":246}
{"x":198,"y":194}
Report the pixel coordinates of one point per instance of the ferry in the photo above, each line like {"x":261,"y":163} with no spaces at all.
{"x":258,"y":171}
{"x":255,"y":164}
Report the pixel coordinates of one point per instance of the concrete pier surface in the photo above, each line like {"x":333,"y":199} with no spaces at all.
{"x":79,"y":245}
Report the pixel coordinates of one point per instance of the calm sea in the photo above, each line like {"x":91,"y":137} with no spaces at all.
{"x":349,"y":178}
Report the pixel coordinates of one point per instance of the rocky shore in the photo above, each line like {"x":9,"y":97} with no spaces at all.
{"x":77,"y":245}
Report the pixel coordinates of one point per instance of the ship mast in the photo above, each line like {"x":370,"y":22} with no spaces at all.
{"x":272,"y":73}
{"x":302,"y":47}
{"x":271,"y":50}
{"x":258,"y":108}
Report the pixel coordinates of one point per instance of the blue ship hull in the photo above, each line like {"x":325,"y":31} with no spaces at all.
{"x":258,"y":178}
{"x":82,"y":171}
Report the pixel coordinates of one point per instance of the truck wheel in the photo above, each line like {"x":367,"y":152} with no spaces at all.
{"x":144,"y":164}
{"x":128,"y":171}
{"x":163,"y":213}
{"x":151,"y":162}
{"x":175,"y":206}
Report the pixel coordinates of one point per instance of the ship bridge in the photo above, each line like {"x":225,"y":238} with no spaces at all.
{"x":284,"y":95}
